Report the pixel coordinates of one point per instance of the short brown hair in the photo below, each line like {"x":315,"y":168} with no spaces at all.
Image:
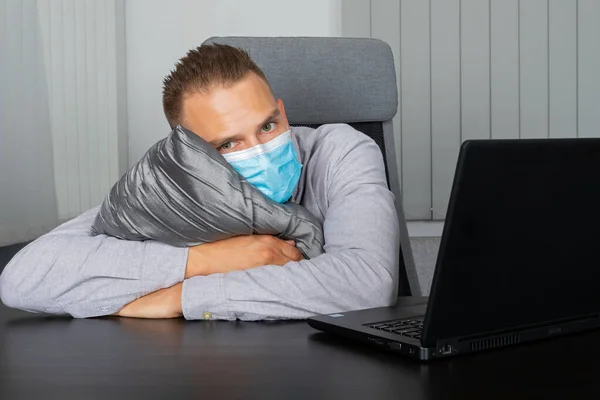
{"x":200,"y":70}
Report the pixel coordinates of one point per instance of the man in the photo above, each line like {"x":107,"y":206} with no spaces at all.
{"x":219,"y":93}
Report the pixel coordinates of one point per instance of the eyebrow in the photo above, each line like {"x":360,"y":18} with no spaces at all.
{"x":274,"y":115}
{"x":221,"y":141}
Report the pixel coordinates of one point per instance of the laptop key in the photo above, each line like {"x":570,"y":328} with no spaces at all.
{"x":398,"y":324}
{"x":378,"y":326}
{"x":398,"y":331}
{"x":406,"y":330}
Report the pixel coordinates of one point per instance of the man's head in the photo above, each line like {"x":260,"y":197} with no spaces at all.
{"x":219,"y":93}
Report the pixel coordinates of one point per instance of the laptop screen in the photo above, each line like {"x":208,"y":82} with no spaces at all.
{"x":521,"y":244}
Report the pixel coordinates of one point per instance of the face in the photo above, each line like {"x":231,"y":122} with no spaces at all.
{"x":236,"y":117}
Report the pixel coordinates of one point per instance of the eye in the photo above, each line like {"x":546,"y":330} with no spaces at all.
{"x":226,"y":146}
{"x":268,"y":127}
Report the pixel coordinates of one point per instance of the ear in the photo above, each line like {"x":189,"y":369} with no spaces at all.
{"x":282,"y":111}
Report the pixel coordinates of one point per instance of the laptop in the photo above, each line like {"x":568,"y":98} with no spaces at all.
{"x":519,"y":257}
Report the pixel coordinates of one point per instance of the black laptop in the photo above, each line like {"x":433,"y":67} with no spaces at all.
{"x":519,"y":258}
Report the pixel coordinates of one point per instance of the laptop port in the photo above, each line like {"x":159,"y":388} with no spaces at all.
{"x":446,"y":349}
{"x":395,"y":345}
{"x":375,"y":340}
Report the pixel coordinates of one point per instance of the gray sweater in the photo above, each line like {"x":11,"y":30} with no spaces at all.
{"x":68,"y":271}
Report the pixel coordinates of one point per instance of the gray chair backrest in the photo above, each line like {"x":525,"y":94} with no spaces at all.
{"x":338,"y":80}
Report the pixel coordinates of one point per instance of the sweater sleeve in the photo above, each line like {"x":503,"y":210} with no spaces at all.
{"x":68,"y":271}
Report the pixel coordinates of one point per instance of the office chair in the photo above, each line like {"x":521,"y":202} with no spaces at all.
{"x":338,"y":80}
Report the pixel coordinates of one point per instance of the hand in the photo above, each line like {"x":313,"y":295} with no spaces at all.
{"x":164,"y":303}
{"x":239,"y":253}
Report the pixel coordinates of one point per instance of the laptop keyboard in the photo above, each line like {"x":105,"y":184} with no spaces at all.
{"x":406,"y":327}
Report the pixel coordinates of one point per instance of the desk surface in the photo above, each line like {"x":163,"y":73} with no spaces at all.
{"x":59,"y":358}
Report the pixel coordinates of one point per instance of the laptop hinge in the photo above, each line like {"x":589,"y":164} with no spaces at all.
{"x":528,"y":327}
{"x":505,"y":337}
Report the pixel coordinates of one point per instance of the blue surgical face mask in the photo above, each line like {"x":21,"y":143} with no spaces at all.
{"x":273,"y":167}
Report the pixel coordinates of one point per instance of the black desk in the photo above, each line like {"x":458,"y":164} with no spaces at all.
{"x":61,"y":358}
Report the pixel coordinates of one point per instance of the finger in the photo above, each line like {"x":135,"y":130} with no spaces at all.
{"x":279,"y":259}
{"x":292,"y":253}
{"x":291,"y":242}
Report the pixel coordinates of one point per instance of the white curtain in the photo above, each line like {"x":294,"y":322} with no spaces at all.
{"x":27,"y":195}
{"x":63,"y":139}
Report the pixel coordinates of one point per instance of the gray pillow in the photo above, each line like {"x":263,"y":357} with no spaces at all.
{"x":184,"y":193}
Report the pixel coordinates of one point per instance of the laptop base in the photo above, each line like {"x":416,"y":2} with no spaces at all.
{"x":355,"y":325}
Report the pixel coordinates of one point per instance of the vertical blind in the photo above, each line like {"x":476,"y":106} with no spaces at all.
{"x":481,"y":69}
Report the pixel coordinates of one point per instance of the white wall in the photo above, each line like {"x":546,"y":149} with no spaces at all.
{"x":160,"y":32}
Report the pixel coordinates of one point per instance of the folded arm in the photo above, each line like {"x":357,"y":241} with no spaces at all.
{"x":69,"y":271}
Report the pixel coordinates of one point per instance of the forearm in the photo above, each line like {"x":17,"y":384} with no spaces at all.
{"x":164,"y":303}
{"x":359,"y":270}
{"x":329,"y":283}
